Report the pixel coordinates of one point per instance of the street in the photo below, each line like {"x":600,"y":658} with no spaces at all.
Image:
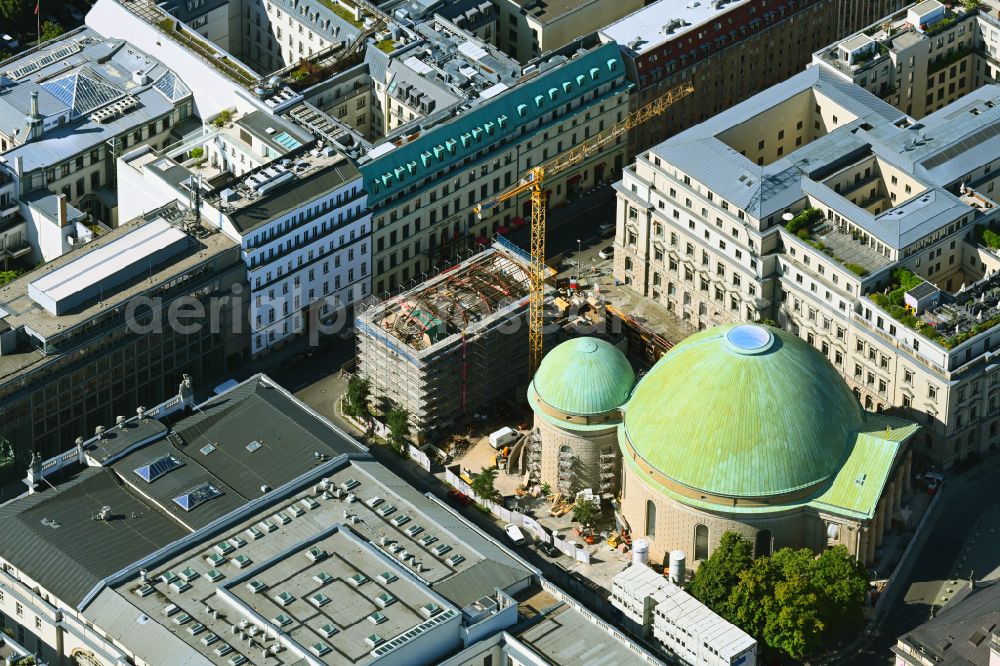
{"x":967,"y":499}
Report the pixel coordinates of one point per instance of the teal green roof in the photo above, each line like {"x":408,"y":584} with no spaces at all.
{"x":584,"y":376}
{"x":493,"y":121}
{"x":859,"y":484}
{"x":744,"y":411}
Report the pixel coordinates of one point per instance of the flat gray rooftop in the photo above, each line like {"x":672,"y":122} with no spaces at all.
{"x":566,"y":637}
{"x":647,"y":28}
{"x":394,"y":530}
{"x":107,"y":265}
{"x":18,"y":309}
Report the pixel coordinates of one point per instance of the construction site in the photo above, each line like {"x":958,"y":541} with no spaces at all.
{"x":453,"y":345}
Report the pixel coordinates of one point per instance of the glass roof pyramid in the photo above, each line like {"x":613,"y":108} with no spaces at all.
{"x":196,"y":496}
{"x":157,"y":467}
{"x":171,"y":87}
{"x":82,"y":91}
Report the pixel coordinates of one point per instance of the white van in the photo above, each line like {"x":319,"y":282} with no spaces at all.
{"x":503,"y":437}
{"x":514,"y":534}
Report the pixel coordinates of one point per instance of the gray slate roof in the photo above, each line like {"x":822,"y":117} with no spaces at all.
{"x":69,"y":560}
{"x":938,"y":151}
{"x":105,"y":64}
{"x":960,"y":633}
{"x":291,"y":195}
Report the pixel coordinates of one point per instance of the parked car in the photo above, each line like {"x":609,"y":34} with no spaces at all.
{"x":514,"y":534}
{"x":607,"y":252}
{"x":934,"y":481}
{"x":606,"y":227}
{"x":458,"y":497}
{"x":9,"y":43}
{"x":548,"y":549}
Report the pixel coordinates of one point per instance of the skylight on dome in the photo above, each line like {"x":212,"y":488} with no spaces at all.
{"x":157,"y":467}
{"x":197,"y":496}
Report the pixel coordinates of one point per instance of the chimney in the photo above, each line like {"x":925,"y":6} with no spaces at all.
{"x":19,"y":166}
{"x":34,"y":118}
{"x":62,"y":210}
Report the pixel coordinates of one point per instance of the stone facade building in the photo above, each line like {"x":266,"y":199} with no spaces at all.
{"x":818,"y":206}
{"x":747,"y":429}
{"x":577,"y":395}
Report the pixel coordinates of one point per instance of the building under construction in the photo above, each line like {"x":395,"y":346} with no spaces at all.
{"x":453,"y":345}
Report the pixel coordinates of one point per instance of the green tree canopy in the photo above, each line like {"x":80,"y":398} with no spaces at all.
{"x":398,"y":420}
{"x":483,"y":484}
{"x":50,"y":30}
{"x":584,"y":511}
{"x":358,"y":390}
{"x":11,"y":10}
{"x":6,"y":277}
{"x":716,"y":577}
{"x":792,"y":601}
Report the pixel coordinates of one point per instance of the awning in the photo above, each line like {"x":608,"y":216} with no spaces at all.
{"x":482,"y":240}
{"x":502,"y":230}
{"x":518,"y":222}
{"x":573,"y":180}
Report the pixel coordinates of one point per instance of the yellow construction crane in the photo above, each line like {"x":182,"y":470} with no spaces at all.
{"x":532,"y":182}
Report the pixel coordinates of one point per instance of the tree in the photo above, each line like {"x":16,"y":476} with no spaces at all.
{"x":483,"y":484}
{"x":795,"y":602}
{"x":584,"y":511}
{"x":717,"y":576}
{"x":844,"y":584}
{"x":11,"y":9}
{"x":358,"y":390}
{"x":6,"y":277}
{"x":50,"y":30}
{"x":793,"y":619}
{"x":792,"y":602}
{"x":398,"y":420}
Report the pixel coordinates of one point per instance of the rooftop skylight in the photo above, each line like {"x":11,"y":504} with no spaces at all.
{"x":157,"y":467}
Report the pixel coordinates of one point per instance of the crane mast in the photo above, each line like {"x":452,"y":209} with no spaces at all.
{"x":532,"y":182}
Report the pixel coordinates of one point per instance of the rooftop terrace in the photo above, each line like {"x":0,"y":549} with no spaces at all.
{"x":948,"y":319}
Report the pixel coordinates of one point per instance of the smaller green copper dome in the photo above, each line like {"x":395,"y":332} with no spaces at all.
{"x":584,"y":376}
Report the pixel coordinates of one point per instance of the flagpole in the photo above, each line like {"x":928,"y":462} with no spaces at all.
{"x":38,"y":19}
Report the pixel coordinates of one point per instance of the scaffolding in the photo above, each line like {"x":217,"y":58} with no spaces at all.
{"x":452,"y":345}
{"x":608,"y":472}
{"x":534,"y":455}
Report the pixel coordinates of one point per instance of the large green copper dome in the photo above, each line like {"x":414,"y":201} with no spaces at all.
{"x":584,"y":376}
{"x":742,"y":411}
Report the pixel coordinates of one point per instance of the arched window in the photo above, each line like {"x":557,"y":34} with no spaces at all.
{"x":701,"y":542}
{"x":762,"y":544}
{"x":650,"y":518}
{"x":83,"y":658}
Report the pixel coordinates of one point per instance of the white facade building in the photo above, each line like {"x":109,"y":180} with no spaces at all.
{"x":310,"y":256}
{"x":303,"y":225}
{"x":681,"y":624}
